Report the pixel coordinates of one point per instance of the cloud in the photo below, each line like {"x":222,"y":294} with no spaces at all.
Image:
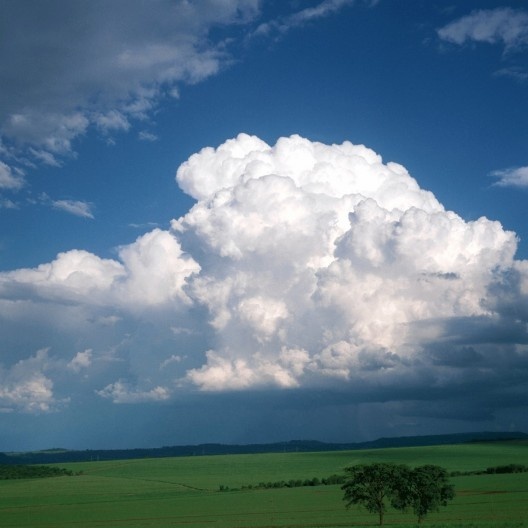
{"x":151,"y":271}
{"x":120,"y":392}
{"x":157,"y":270}
{"x":501,"y":25}
{"x":173,"y":359}
{"x":74,"y":207}
{"x":10,"y":179}
{"x":81,"y":360}
{"x":300,"y":267}
{"x":45,"y":157}
{"x":513,"y":72}
{"x":52,"y":133}
{"x":26,"y":388}
{"x":515,"y":177}
{"x":147,"y":136}
{"x":67,"y":68}
{"x":304,"y":16}
{"x":327,"y":251}
{"x":111,"y":121}
{"x":7,"y":204}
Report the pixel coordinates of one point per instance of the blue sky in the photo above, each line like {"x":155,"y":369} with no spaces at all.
{"x":341,"y":256}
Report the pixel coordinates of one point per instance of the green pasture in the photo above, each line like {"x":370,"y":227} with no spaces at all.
{"x":183,"y":492}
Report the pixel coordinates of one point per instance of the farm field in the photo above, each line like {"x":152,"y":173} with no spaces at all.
{"x":184,"y":491}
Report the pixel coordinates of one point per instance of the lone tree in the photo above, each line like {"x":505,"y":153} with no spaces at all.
{"x":425,"y":489}
{"x":372,"y":486}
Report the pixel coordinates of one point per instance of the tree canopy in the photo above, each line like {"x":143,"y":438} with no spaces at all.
{"x":426,"y":488}
{"x":372,"y":486}
{"x":378,"y":485}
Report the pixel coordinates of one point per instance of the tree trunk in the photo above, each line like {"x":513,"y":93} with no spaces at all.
{"x":381,"y":518}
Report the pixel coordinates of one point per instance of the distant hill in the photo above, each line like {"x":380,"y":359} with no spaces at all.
{"x":54,"y":456}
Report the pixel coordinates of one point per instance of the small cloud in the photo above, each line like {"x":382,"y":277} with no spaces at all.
{"x":111,"y":121}
{"x":25,"y":387}
{"x":45,"y":157}
{"x":10,"y":179}
{"x":304,"y":16}
{"x":514,"y":177}
{"x":81,"y":360}
{"x":180,"y":330}
{"x":7,"y":204}
{"x":109,"y":320}
{"x":502,"y":25}
{"x":514,"y":72}
{"x":74,"y":207}
{"x":121,"y":392}
{"x":146,"y":225}
{"x":147,"y":136}
{"x":173,"y":359}
{"x":324,"y":9}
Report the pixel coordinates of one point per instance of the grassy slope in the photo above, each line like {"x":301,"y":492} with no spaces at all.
{"x":183,"y":491}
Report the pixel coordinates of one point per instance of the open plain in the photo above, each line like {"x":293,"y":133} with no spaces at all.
{"x":185,"y":491}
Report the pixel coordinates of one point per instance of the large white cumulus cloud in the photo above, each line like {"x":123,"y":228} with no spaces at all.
{"x":300,"y":265}
{"x":319,"y":259}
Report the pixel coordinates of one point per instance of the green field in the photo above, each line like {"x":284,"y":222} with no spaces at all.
{"x":183,"y":492}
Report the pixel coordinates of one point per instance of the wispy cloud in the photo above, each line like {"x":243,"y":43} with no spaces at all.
{"x":121,"y":392}
{"x":44,"y":157}
{"x":145,"y":225}
{"x":74,"y":207}
{"x":503,"y":25}
{"x":10,"y":179}
{"x":299,"y":18}
{"x":7,"y":204}
{"x":514,"y":177}
{"x":144,"y":135}
{"x":518,"y":73}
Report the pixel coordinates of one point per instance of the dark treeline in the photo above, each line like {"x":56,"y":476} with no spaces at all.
{"x":8,"y":472}
{"x":56,"y":456}
{"x":292,"y":483}
{"x":509,"y":468}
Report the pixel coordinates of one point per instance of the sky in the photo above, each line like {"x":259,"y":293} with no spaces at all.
{"x":246,"y":221}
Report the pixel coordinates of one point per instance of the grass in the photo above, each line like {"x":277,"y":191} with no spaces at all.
{"x":183,"y":492}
